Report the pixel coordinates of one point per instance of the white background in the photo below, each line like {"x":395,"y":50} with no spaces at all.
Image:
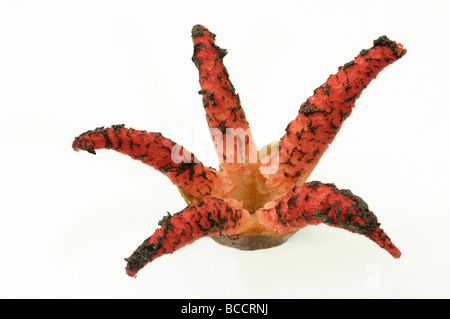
{"x":68,"y":219}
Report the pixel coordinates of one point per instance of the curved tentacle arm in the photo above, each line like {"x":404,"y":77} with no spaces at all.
{"x":320,"y":118}
{"x":224,"y":113}
{"x":315,"y":203}
{"x":153,"y":149}
{"x":208,"y":217}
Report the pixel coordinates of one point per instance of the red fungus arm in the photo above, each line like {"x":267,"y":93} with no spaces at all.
{"x":315,"y":203}
{"x":208,"y":217}
{"x":181,"y":166}
{"x":320,"y":118}
{"x":224,"y":113}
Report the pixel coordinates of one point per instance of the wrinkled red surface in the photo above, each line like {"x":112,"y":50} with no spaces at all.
{"x":155,"y":150}
{"x":320,"y":118}
{"x":204,"y":218}
{"x":316,"y":203}
{"x":220,"y":100}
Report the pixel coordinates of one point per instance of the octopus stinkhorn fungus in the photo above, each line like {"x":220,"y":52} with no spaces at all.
{"x":258,"y":198}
